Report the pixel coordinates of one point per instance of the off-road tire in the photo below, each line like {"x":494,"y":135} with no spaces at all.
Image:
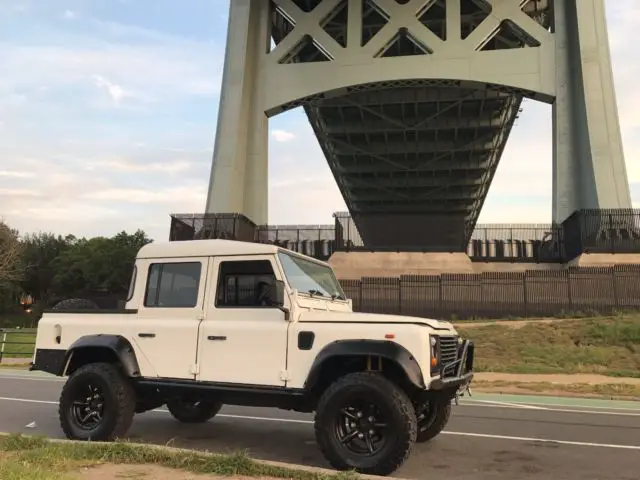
{"x":186,"y":413}
{"x":434,"y":422}
{"x":119,"y":402}
{"x":76,"y":304}
{"x":402,"y":424}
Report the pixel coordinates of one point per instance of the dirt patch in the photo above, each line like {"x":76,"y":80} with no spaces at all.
{"x":515,"y":324}
{"x":553,"y":378}
{"x":147,"y":472}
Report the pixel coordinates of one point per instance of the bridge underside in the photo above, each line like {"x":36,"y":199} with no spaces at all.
{"x":414,"y":160}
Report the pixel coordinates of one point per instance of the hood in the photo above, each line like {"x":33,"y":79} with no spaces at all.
{"x":352,"y":317}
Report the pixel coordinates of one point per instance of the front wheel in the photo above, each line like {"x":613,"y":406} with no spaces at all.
{"x":432,"y":420}
{"x":366,"y":423}
{"x":192,"y":411}
{"x":97,"y":403}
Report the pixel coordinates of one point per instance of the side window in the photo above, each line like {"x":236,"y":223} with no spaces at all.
{"x":132,"y":285}
{"x":244,"y":283}
{"x":173,"y":285}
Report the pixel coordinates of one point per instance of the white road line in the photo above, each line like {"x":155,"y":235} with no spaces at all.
{"x":461,"y":434}
{"x":543,"y":440}
{"x":476,"y":403}
{"x":551,"y":408}
{"x":566,"y":405}
{"x":35,"y":379}
{"x":27,"y":400}
{"x":493,"y":403}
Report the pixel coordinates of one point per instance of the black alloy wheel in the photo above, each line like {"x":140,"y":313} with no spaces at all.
{"x":365,"y":422}
{"x":361,"y":427}
{"x":432,"y":418}
{"x":87,"y":408}
{"x":188,"y":410}
{"x":97,"y":403}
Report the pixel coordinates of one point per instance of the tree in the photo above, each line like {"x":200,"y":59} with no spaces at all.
{"x":97,"y":265}
{"x":39,"y":255}
{"x":11,"y":264}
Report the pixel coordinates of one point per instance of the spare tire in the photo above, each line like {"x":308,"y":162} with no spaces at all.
{"x":76,"y":304}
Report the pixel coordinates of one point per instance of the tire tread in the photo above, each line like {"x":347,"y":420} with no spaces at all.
{"x":401,"y":404}
{"x":124,"y":394}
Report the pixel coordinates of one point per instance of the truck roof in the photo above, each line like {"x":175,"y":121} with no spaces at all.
{"x":206,"y":248}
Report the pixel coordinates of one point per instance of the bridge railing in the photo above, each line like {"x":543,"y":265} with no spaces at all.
{"x":586,"y":231}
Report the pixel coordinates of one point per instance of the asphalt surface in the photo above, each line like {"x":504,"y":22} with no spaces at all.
{"x":488,"y":437}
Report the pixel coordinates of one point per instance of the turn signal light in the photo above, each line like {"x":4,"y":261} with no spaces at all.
{"x":434,"y":361}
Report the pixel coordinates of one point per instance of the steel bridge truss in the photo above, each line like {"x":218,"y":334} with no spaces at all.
{"x":414,"y":146}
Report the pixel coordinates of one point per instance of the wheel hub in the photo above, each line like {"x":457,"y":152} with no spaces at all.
{"x":361,"y":429}
{"x":88,"y":408}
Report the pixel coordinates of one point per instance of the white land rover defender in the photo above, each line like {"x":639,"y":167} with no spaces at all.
{"x":214,"y":322}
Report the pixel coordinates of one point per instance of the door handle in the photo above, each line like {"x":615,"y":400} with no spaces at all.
{"x":216,"y":337}
{"x":147,"y":335}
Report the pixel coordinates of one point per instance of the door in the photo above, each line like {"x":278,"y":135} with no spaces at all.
{"x":166,"y":330}
{"x":242,"y":340}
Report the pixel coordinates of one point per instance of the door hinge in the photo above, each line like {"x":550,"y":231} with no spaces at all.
{"x":195,"y":369}
{"x":200,"y":316}
{"x":284,"y":375}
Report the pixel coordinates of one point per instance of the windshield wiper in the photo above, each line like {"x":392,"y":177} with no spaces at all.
{"x":337,"y":297}
{"x":315,"y":292}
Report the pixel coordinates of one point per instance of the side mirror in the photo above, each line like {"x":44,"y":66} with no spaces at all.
{"x":277,"y":299}
{"x":278,"y":294}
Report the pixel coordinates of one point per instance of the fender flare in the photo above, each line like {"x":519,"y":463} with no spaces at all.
{"x":118,"y":344}
{"x":358,"y":348}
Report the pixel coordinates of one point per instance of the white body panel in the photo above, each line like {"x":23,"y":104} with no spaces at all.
{"x":411,"y":337}
{"x":242,"y":345}
{"x":71,"y":327}
{"x":172,"y":349}
{"x":234,"y":344}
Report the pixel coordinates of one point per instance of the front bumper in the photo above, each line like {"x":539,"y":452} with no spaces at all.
{"x":459,"y":383}
{"x":456,"y":375}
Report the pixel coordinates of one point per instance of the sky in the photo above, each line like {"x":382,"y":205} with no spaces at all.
{"x":108,"y":111}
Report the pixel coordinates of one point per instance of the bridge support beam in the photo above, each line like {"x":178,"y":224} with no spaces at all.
{"x":588,"y":160}
{"x":239,"y":174}
{"x":569,"y":67}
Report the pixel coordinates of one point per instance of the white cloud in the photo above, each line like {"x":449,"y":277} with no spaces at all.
{"x":69,"y":15}
{"x":123,"y":165}
{"x":282,"y":136}
{"x":145,"y":195}
{"x":116,"y":92}
{"x":19,"y":192}
{"x":16,"y":174}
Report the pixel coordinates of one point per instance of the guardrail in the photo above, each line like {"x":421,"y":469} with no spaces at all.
{"x":16,"y":343}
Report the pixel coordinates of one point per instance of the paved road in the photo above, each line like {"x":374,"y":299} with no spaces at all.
{"x":489,"y":437}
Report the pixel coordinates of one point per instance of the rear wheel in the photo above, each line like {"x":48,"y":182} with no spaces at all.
{"x":366,"y":423}
{"x":97,"y":403}
{"x":193,"y":411}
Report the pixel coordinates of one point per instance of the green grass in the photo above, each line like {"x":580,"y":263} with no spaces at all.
{"x":19,"y":344}
{"x":607,"y":346}
{"x":32,"y":458}
{"x":602,"y":345}
{"x":608,"y":390}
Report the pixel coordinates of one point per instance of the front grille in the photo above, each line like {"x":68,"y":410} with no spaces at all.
{"x":448,"y":346}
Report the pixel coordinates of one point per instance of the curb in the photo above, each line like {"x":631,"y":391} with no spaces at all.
{"x":271,"y":463}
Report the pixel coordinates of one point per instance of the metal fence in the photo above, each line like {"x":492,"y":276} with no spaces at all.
{"x":534,"y":293}
{"x":586,"y":231}
{"x":16,"y":343}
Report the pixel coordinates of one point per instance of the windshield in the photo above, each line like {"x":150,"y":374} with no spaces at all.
{"x":310,"y":277}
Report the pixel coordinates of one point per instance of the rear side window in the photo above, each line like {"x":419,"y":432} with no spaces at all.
{"x":132,"y":285}
{"x":173,"y":285}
